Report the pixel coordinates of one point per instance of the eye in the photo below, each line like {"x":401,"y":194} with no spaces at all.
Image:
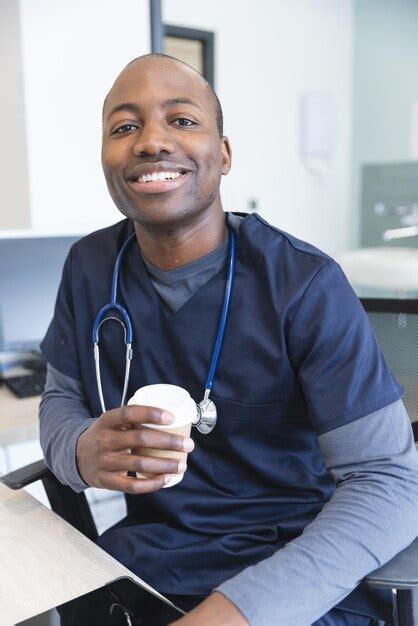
{"x":124,"y":129}
{"x":189,"y":123}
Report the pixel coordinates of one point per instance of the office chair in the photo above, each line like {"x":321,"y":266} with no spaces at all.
{"x":395,"y":322}
{"x":396,"y":326}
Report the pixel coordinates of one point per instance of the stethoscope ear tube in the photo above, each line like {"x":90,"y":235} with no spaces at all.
{"x":101,"y":318}
{"x":128,"y":356}
{"x":127,"y":326}
{"x":98,"y":376}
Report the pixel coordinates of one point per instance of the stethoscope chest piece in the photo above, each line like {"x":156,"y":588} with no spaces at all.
{"x":206,"y":416}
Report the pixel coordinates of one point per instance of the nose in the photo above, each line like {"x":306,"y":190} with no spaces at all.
{"x":153,"y":139}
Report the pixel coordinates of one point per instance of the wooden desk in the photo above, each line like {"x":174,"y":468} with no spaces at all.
{"x":18,"y":418}
{"x":45,"y":561}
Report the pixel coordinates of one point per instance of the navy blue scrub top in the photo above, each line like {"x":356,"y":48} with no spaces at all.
{"x":299,"y":359}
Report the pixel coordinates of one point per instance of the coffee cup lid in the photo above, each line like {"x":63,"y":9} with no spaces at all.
{"x":169,"y":397}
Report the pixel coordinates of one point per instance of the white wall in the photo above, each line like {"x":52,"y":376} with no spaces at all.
{"x":14,"y":204}
{"x":72,"y":52}
{"x":267,"y":54}
{"x":386,"y":84}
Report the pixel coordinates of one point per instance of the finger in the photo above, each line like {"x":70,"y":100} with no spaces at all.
{"x":149,"y":438}
{"x":136,"y":414}
{"x":147,"y":464}
{"x":127,"y":484}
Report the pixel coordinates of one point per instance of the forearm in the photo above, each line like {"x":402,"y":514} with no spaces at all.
{"x":372,"y":515}
{"x":63,"y":417}
{"x":315,"y":572}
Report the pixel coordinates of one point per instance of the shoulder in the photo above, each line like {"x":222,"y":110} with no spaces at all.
{"x":291,"y":260}
{"x":280,"y":241}
{"x":96,"y":254}
{"x":99,"y":248}
{"x":105,"y":239}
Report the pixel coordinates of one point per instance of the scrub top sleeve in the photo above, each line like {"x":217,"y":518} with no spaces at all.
{"x":59,"y":345}
{"x":335,"y":354}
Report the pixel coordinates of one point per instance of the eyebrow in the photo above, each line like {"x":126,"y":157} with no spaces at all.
{"x":131,"y":106}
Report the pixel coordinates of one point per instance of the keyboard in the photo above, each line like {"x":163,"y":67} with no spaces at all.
{"x":27,"y":385}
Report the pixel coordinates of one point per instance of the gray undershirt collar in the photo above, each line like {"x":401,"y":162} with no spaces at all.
{"x":175,"y":287}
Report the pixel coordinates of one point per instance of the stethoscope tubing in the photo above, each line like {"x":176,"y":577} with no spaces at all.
{"x":114,"y":305}
{"x":224,"y":316}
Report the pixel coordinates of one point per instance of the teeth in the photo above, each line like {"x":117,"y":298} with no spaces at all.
{"x":156,"y":176}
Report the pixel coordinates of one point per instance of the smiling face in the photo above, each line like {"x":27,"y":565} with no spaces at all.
{"x":162,"y":155}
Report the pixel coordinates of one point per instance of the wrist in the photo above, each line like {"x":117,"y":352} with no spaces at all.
{"x":216,"y":610}
{"x":78,"y":457}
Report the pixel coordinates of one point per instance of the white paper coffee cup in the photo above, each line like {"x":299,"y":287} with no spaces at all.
{"x":179,"y":402}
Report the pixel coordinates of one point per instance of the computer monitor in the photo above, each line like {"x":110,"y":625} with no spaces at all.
{"x":30,"y":273}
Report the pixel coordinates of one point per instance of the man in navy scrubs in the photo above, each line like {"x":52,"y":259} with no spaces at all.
{"x":309,"y":480}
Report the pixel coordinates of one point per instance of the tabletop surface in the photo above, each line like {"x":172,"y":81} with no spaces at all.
{"x":45,"y":561}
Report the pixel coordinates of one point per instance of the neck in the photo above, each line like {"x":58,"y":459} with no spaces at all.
{"x":176,"y":246}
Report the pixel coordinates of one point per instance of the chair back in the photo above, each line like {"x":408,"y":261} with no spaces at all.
{"x":395,"y":322}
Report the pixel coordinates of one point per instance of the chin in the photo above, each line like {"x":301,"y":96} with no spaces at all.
{"x":161,"y":217}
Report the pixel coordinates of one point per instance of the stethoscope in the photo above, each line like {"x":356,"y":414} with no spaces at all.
{"x":206,"y":413}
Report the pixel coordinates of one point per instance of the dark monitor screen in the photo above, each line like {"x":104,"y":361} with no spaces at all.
{"x":30,"y":273}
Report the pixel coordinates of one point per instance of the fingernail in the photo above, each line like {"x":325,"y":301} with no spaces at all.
{"x":167,"y":478}
{"x":167,"y":418}
{"x":182,"y":467}
{"x":188,"y":444}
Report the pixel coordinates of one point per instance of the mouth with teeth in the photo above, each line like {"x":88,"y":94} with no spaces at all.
{"x":158,"y":182}
{"x":147,"y":178}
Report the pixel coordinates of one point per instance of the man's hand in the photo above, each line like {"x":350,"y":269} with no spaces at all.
{"x":104,"y":456}
{"x":216,"y":610}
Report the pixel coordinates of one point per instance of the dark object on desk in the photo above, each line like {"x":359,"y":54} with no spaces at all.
{"x":27,"y":385}
{"x":36,"y":362}
{"x":118,"y":603}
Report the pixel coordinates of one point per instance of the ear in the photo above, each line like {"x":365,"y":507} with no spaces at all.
{"x":226,"y":154}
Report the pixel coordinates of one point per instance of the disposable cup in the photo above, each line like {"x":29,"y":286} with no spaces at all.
{"x":179,"y":402}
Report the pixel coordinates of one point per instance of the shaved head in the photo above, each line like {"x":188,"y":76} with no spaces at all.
{"x":217,"y":108}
